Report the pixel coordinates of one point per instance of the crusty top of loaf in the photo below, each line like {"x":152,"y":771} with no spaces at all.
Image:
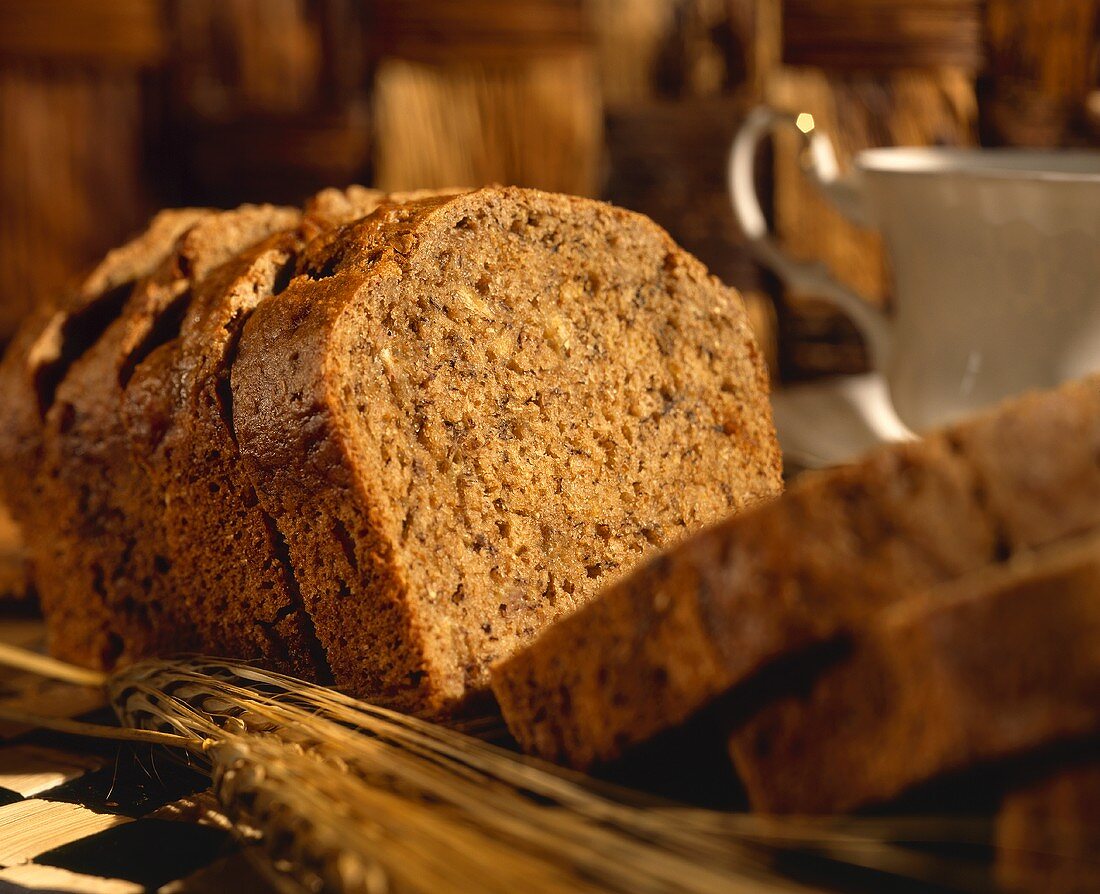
{"x":336,"y":207}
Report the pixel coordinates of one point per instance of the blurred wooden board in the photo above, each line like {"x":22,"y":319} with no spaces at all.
{"x":118,"y":32}
{"x":883,"y":34}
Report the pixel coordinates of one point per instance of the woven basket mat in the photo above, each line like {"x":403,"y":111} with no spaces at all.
{"x":99,"y":817}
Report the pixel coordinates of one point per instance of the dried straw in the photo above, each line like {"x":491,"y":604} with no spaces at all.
{"x":435,"y":787}
{"x":44,"y":666}
{"x":356,"y":798}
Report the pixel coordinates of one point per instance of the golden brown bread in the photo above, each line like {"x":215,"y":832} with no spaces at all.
{"x":39,"y":358}
{"x":239,"y":594}
{"x":444,"y":424}
{"x":799,"y":571}
{"x":54,"y":337}
{"x":471,"y":411}
{"x":104,"y":588}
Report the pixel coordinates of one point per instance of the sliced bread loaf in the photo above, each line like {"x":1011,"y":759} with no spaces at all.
{"x":35,"y":363}
{"x":241,"y":593}
{"x":992,"y":666}
{"x":836,"y":548}
{"x":103,"y":595}
{"x":470,"y":412}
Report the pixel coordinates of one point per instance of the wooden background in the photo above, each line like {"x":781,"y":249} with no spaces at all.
{"x":110,"y":110}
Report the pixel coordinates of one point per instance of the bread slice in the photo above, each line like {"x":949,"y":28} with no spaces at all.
{"x":240,"y":593}
{"x":46,"y":345}
{"x":772,"y":582}
{"x":44,"y":348}
{"x":993,"y":666}
{"x":104,"y":593}
{"x":470,"y":412}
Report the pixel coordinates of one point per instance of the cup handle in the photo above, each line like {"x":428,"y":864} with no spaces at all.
{"x":820,"y":166}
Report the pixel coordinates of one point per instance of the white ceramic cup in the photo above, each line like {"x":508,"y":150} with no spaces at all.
{"x":995,"y":256}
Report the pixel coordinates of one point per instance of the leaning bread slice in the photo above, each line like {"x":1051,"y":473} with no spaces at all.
{"x":993,"y":666}
{"x":241,"y":591}
{"x":470,"y":412}
{"x":104,"y":592}
{"x":237,"y":588}
{"x":770,"y":583}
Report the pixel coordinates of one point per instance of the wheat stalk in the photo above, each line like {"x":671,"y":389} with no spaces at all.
{"x":446,"y":783}
{"x":357,"y":798}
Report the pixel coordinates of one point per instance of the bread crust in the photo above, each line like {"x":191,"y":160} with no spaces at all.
{"x":240,"y":593}
{"x":44,"y":349}
{"x":293,"y":443}
{"x":52,"y":338}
